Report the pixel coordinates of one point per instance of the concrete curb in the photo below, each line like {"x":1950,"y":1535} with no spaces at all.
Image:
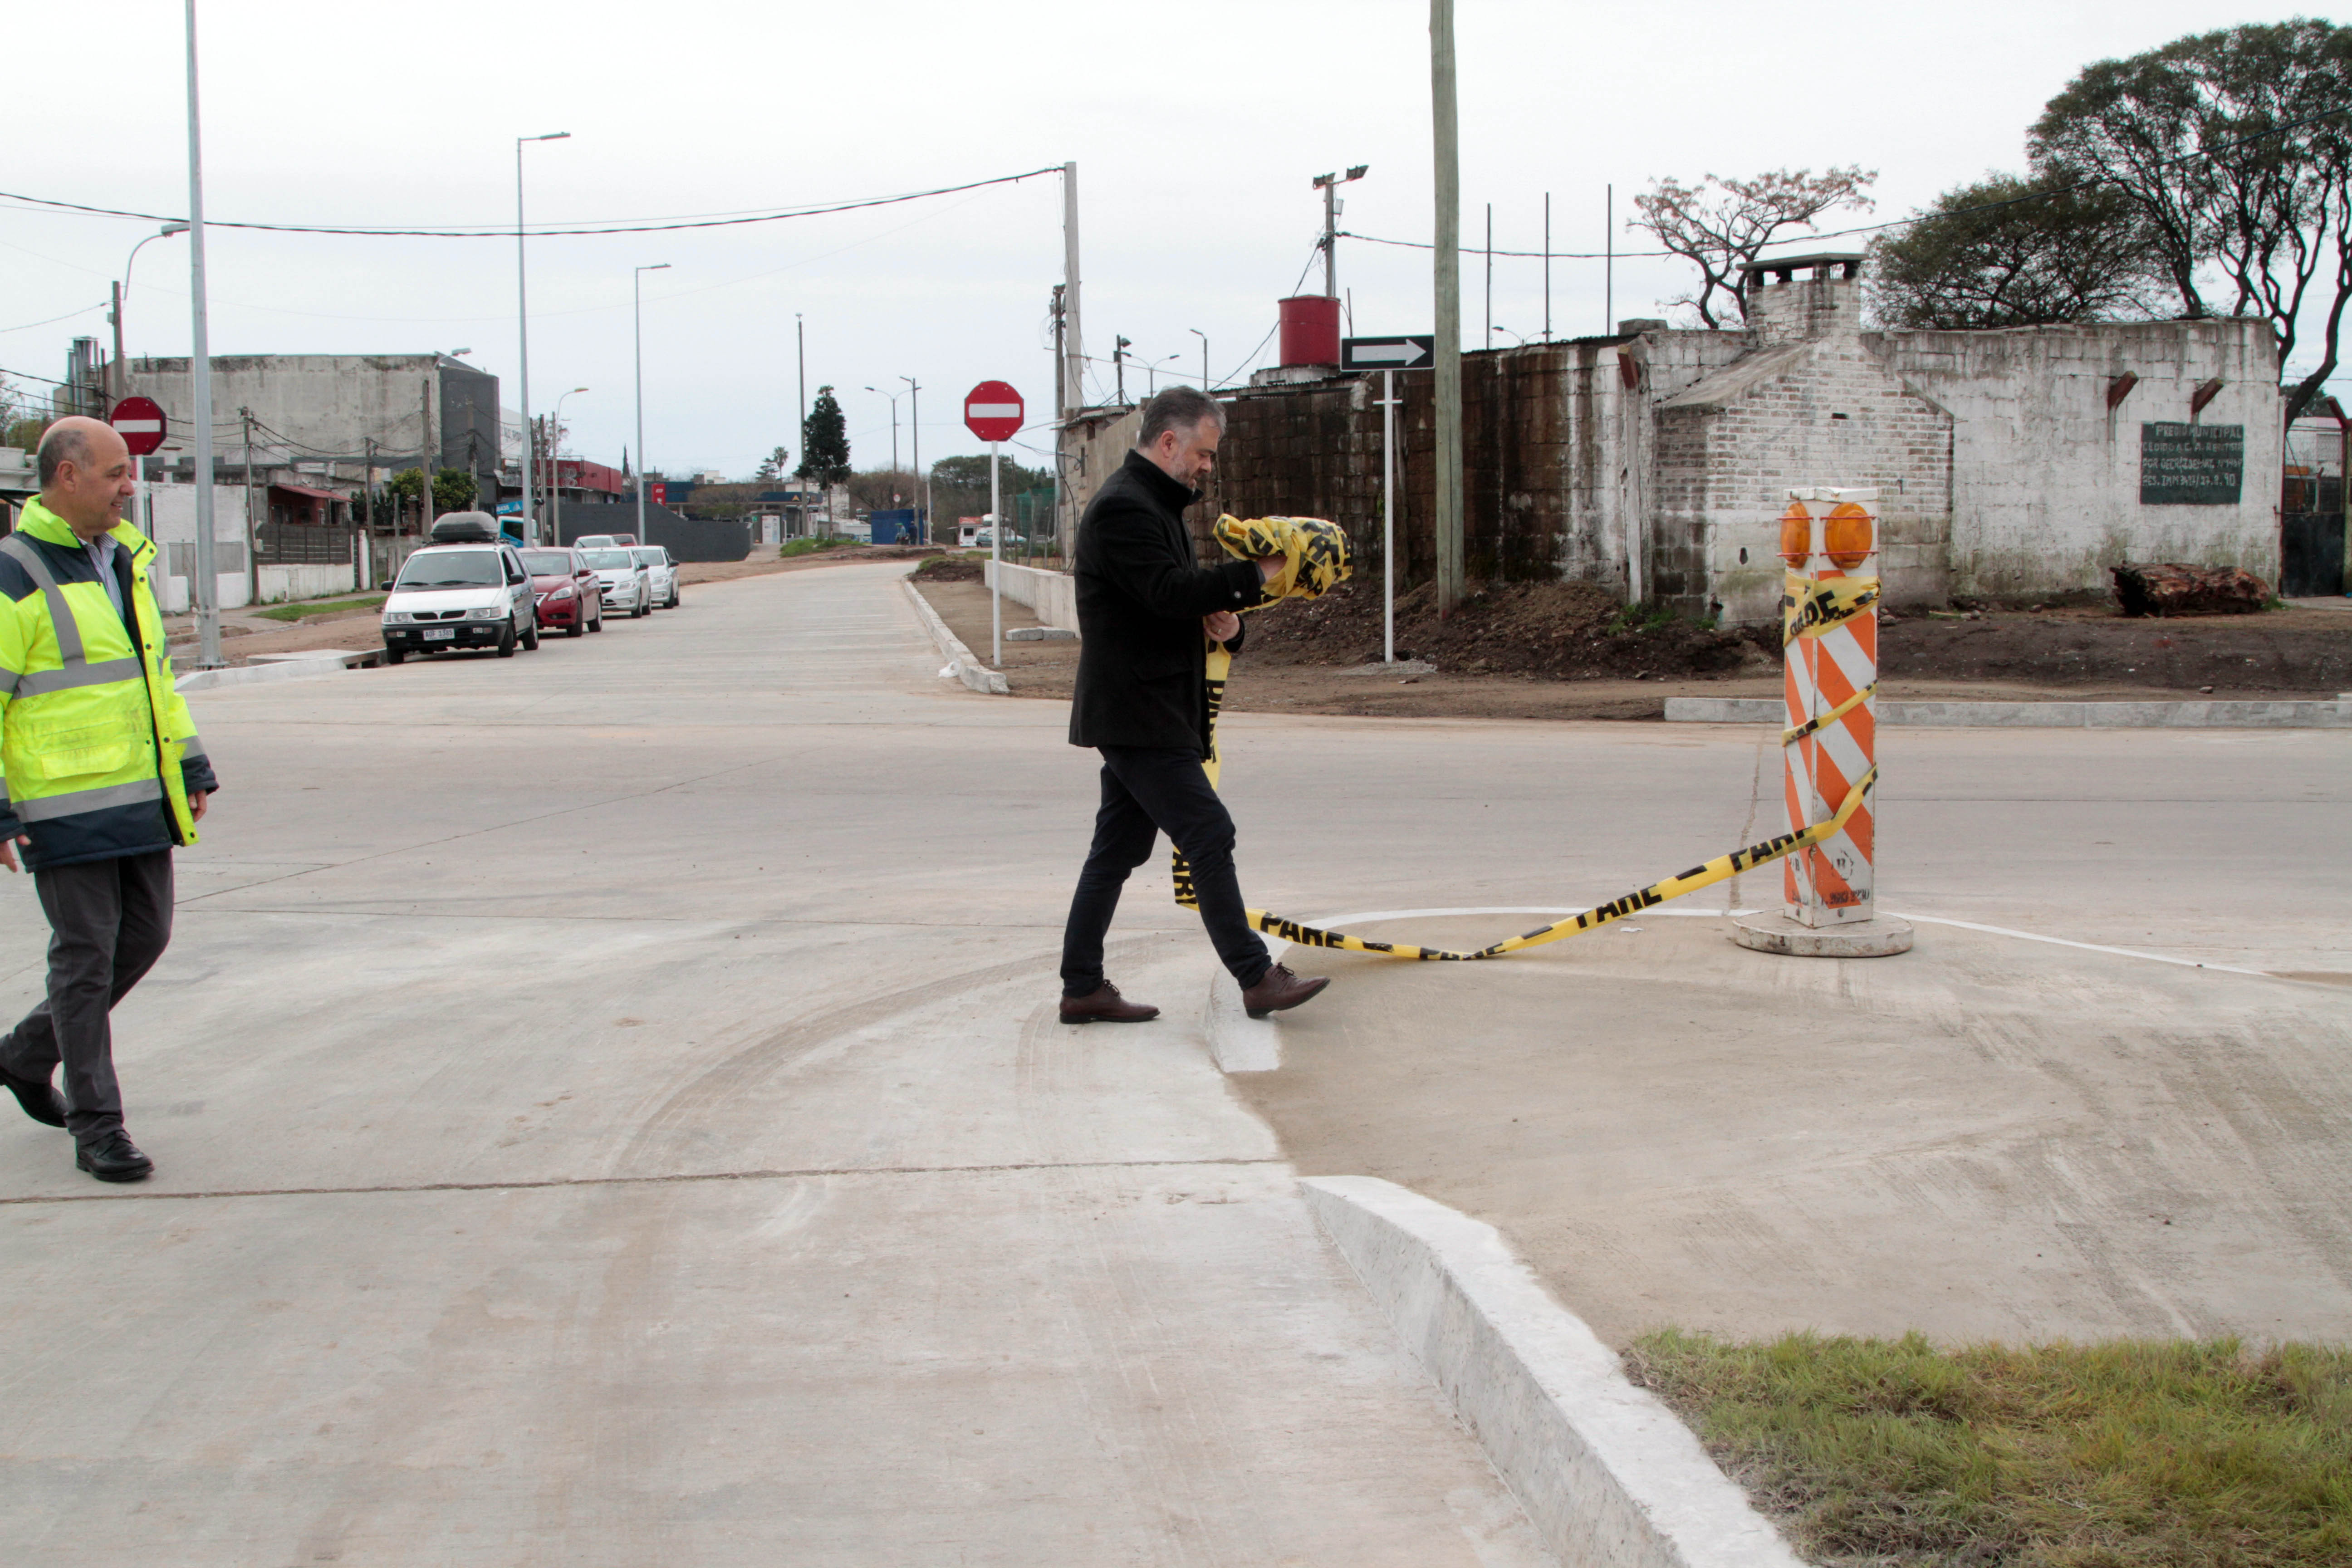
{"x":258,"y":673}
{"x":961,"y":664}
{"x":1606,"y":1473}
{"x":1238,"y":1042}
{"x":2317,"y":714}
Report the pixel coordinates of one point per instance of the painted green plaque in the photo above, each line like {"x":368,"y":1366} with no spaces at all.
{"x":2192,"y":465}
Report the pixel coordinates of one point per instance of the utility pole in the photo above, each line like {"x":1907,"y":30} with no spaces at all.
{"x":1074,"y":359}
{"x":1490,"y":275}
{"x":252,"y":532}
{"x":1332,"y":206}
{"x":1444,"y":115}
{"x":115,"y":384}
{"x":1119,"y":365}
{"x":424,"y":463}
{"x":1061,"y":406}
{"x":1608,"y":264}
{"x":800,"y":334}
{"x":1204,"y":355}
{"x":638,"y":308}
{"x":1546,"y":267}
{"x":529,"y":520}
{"x":915,"y":434}
{"x":205,"y":590}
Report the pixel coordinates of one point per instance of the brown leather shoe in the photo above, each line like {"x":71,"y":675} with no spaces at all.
{"x":1105,"y":1006}
{"x":1278,"y":990}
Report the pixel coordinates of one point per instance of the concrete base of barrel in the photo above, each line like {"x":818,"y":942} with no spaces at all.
{"x":1772,"y":931}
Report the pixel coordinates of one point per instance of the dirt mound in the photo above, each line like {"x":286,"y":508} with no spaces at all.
{"x":951,"y":569}
{"x":1566,"y":631}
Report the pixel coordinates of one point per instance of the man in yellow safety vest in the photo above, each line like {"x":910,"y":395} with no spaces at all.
{"x":102,"y":775}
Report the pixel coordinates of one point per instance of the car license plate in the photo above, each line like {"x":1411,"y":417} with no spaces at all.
{"x":442,"y":633}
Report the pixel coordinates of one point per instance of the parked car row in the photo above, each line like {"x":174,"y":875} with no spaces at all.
{"x":471,"y":588}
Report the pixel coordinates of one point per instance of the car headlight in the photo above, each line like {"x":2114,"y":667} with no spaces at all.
{"x":392,"y":617}
{"x":562,"y":592}
{"x":487,"y":613}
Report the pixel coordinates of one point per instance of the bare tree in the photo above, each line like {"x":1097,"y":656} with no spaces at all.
{"x":1720,"y":224}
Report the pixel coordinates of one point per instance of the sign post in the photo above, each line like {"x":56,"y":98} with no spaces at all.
{"x":140,"y":422}
{"x":1387,"y":355}
{"x":993,"y":412}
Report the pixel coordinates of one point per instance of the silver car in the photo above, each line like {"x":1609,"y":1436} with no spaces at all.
{"x":662,"y":571}
{"x":628,"y":585}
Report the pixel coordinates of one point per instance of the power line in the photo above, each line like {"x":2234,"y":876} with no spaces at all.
{"x":640,"y":225}
{"x":69,"y":316}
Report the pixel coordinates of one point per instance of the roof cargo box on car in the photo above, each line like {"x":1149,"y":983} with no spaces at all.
{"x":466,"y":527}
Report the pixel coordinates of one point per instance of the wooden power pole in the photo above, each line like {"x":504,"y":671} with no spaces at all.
{"x":1446,"y":144}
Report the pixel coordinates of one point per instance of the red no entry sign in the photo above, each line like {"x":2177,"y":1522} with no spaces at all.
{"x":994,"y":411}
{"x":140,"y":422}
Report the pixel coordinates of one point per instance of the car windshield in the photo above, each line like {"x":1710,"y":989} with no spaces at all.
{"x":452,"y":569}
{"x":648,"y":557}
{"x":604,"y":560}
{"x":547,"y":563}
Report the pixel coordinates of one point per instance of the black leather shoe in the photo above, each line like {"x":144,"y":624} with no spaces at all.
{"x":1278,"y":990}
{"x":40,"y":1098}
{"x":114,"y":1158}
{"x":1104,"y":1004}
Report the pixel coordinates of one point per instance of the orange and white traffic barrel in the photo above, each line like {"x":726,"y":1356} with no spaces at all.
{"x":1828,"y":539}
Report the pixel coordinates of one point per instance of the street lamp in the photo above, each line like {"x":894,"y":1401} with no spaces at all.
{"x":555,"y":466}
{"x":1500,"y":328}
{"x":120,"y":378}
{"x":1151,"y":366}
{"x":522,"y":322}
{"x":637,"y":307}
{"x":894,"y":398}
{"x":1204,"y":355}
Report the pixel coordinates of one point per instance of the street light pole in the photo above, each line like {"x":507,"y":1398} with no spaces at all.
{"x":1204,"y":355}
{"x":638,"y":308}
{"x":555,"y":473}
{"x":915,"y":434}
{"x":205,"y":596}
{"x":120,"y":380}
{"x":894,"y":398}
{"x":529,"y":529}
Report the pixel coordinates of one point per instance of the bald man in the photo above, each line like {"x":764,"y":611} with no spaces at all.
{"x":104,"y":774}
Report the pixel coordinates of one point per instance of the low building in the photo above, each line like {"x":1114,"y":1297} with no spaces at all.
{"x":2010,"y":464}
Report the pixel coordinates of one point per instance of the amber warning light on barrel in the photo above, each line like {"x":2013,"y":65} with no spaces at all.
{"x":1846,"y":538}
{"x":1796,"y":534}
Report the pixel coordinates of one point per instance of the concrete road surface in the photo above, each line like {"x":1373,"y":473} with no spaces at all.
{"x":621,"y":1119}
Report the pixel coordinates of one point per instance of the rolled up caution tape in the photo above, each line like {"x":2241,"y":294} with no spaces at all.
{"x":1314,"y":551}
{"x":1837,"y":605}
{"x":1809,"y":606}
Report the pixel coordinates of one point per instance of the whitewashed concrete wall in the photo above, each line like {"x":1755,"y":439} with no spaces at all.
{"x":170,"y":522}
{"x":281,"y":583}
{"x":1051,"y":597}
{"x":1810,"y":407}
{"x":2045,"y":493}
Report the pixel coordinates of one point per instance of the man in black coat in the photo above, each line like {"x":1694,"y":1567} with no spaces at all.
{"x":1147,"y":614}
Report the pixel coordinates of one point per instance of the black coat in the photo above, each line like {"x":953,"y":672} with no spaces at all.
{"x":1142,"y":659}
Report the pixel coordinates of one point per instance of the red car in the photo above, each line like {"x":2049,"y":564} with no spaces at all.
{"x":566,"y":588}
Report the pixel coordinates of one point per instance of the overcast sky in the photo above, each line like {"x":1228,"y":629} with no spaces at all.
{"x":1196,"y":128}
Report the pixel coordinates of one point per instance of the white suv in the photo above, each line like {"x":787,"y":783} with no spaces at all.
{"x":460,"y":596}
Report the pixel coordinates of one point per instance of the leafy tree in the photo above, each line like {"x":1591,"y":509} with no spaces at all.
{"x":1720,"y":224}
{"x":453,"y":488}
{"x":2011,"y":251}
{"x":771,"y":466}
{"x":824,"y":441}
{"x":2234,"y":148}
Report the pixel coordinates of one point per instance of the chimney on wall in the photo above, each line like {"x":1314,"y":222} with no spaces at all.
{"x":1789,"y":299}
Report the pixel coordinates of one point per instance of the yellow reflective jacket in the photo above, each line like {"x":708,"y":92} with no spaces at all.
{"x":97,"y":753}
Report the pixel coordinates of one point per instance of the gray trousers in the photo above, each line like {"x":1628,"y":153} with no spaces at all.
{"x":109,"y":920}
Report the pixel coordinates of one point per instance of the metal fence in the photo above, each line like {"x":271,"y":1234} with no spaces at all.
{"x":295,"y":545}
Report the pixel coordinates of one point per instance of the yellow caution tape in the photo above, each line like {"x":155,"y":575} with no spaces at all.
{"x":1315,"y":554}
{"x":1823,"y":722}
{"x":1809,"y":606}
{"x":1705,"y":875}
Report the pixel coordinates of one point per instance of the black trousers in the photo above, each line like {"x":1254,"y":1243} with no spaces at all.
{"x":1147,"y":791}
{"x":109,"y":920}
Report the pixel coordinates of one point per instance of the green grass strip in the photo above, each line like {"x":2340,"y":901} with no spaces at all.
{"x":309,"y":608}
{"x":2129,"y":1454}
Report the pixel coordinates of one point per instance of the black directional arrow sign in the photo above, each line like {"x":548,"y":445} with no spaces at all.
{"x":1388,"y":354}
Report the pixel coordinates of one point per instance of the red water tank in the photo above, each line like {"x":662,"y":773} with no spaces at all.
{"x":1310,"y":330}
